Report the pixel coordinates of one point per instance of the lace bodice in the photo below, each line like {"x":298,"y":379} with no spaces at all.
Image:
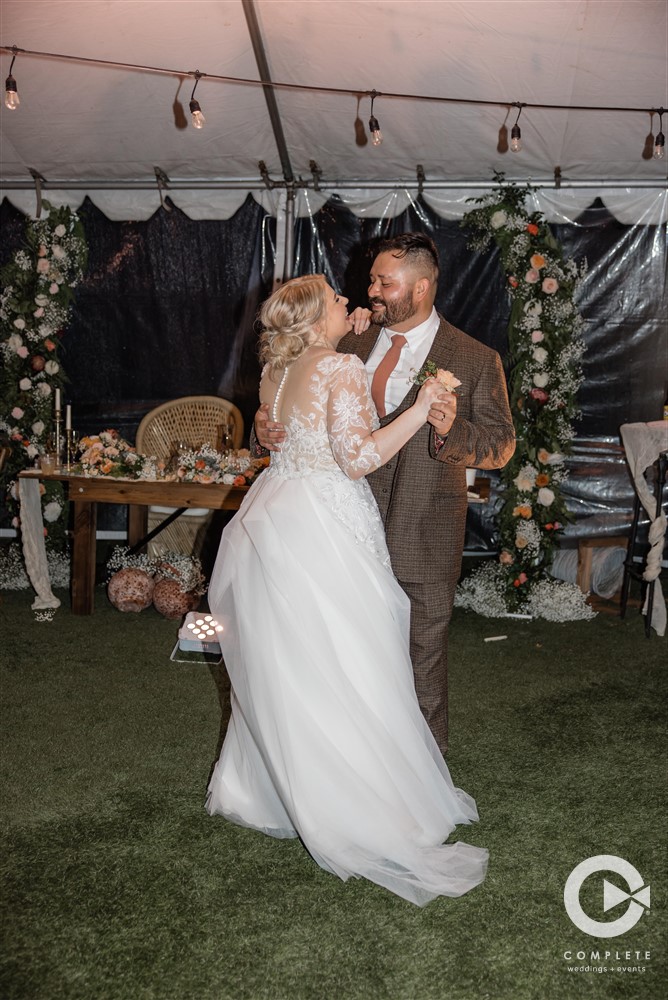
{"x":329,"y":417}
{"x":329,"y":421}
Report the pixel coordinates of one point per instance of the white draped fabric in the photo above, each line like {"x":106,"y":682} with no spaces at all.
{"x":34,"y":550}
{"x":643,"y":443}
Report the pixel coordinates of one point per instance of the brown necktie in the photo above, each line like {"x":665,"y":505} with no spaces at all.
{"x":383,"y":372}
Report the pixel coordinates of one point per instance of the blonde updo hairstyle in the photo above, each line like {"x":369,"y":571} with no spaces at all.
{"x":292,"y":320}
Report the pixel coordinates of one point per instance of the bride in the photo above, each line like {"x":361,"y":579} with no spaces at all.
{"x":326,"y":740}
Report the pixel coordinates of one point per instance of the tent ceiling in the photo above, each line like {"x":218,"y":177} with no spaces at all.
{"x":90,"y":123}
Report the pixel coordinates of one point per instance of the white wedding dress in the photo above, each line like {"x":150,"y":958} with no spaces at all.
{"x":326,"y":740}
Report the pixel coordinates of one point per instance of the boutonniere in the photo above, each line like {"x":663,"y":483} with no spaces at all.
{"x":431,"y":370}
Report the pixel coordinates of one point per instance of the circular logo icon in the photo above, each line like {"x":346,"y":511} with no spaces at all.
{"x":638,"y":896}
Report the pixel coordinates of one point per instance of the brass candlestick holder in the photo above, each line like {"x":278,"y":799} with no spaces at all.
{"x":71,"y":440}
{"x":58,"y":437}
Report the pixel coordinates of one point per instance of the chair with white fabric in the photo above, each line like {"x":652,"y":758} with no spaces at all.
{"x":187,"y":422}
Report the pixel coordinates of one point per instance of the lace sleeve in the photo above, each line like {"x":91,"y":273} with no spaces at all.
{"x":352,"y":417}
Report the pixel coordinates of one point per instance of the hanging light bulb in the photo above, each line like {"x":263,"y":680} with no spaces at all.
{"x":516,"y":133}
{"x":198,"y":119}
{"x":660,"y":141}
{"x":12,"y":99}
{"x":374,"y":127}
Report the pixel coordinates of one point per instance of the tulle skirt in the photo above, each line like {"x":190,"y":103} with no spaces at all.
{"x":326,"y":740}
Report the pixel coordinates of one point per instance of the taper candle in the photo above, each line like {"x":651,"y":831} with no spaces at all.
{"x":57,"y":399}
{"x":68,"y":417}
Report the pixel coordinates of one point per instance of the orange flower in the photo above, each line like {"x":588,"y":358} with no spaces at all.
{"x":542,"y":479}
{"x":200,"y":464}
{"x":537,"y":261}
{"x":49,"y":344}
{"x":106,"y":467}
{"x":543,"y":455}
{"x":532,"y":228}
{"x":523,"y":510}
{"x":512,"y":281}
{"x":239,"y":481}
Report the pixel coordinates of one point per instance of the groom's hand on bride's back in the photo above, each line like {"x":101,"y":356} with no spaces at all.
{"x":269,"y":433}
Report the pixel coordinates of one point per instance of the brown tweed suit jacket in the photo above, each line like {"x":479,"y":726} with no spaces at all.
{"x":421,"y":492}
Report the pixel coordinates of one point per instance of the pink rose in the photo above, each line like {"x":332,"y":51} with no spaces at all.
{"x":537,"y":336}
{"x":17,"y":413}
{"x":22,"y":351}
{"x":42,"y":266}
{"x":540,"y":396}
{"x":38,"y":313}
{"x":550,"y":285}
{"x":447,"y":380}
{"x":53,"y":288}
{"x":506,"y":558}
{"x":532,"y":276}
{"x":42,"y":250}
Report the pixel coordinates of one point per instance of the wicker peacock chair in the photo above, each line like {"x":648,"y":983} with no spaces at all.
{"x":190,"y":421}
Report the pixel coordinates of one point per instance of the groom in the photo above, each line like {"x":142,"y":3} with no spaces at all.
{"x":421,"y":492}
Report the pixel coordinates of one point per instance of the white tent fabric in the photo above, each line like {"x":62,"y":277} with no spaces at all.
{"x":106,"y":128}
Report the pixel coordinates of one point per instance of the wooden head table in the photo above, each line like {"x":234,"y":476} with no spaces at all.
{"x":85,"y":494}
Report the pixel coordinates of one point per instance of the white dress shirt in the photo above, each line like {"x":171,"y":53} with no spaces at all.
{"x":414,"y":353}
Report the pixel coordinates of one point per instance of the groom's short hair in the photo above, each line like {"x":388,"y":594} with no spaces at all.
{"x":417,"y":249}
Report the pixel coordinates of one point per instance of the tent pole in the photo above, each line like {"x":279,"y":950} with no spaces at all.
{"x":288,"y":260}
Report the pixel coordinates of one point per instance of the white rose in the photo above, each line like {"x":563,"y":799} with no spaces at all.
{"x":38,"y":428}
{"x":25,"y":384}
{"x":498,"y":219}
{"x":540,"y":355}
{"x":545,"y":496}
{"x":556,"y":458}
{"x":228,"y":479}
{"x":533,"y":308}
{"x":52,"y":511}
{"x":51,"y":367}
{"x":41,"y":300}
{"x":59,"y":253}
{"x":60,"y":230}
{"x":44,"y":389}
{"x":540,"y":380}
{"x":14,"y":342}
{"x":20,"y":323}
{"x":31,"y":451}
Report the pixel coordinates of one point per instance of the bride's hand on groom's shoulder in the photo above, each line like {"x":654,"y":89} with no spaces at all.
{"x":269,"y":433}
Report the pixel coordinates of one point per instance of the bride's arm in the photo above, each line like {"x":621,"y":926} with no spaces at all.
{"x":359,"y":445}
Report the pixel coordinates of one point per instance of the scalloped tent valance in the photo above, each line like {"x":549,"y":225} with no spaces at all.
{"x":629,"y":206}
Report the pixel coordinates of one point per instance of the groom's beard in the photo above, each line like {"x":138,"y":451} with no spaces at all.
{"x":397,"y":311}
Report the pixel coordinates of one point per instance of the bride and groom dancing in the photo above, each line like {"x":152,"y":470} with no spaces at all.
{"x":328,"y":740}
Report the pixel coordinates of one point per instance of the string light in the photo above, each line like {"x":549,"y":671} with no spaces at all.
{"x":12,"y":99}
{"x":198,"y":119}
{"x":660,"y":141}
{"x":516,"y":132}
{"x":374,"y":127}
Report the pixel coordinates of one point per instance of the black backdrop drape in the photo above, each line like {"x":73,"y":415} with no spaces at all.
{"x":167,"y":309}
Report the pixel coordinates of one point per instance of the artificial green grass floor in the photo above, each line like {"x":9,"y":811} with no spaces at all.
{"x":118,"y":886}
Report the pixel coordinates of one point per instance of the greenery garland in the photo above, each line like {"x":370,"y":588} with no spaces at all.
{"x":35,"y":305}
{"x":545,"y":352}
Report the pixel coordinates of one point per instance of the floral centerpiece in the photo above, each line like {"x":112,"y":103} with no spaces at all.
{"x":206,"y":465}
{"x":179,"y":584}
{"x":131,"y":580}
{"x":108,"y":454}
{"x":545,"y":352}
{"x":35,"y":303}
